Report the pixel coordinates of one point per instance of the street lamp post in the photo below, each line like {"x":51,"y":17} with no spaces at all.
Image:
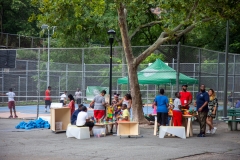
{"x":44,"y":26}
{"x":111,"y":34}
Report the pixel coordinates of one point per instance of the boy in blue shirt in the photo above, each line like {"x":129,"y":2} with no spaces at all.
{"x":161,"y":101}
{"x":202,"y":109}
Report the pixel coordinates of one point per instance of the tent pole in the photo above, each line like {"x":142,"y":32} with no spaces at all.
{"x":178,"y":66}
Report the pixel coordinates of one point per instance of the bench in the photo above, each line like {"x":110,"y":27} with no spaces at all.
{"x":77,"y":132}
{"x":178,"y":131}
{"x":233,"y":121}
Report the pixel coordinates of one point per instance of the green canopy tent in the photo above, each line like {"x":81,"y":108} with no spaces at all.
{"x":159,"y":73}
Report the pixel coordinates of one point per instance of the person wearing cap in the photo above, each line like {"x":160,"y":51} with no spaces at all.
{"x":185,"y":97}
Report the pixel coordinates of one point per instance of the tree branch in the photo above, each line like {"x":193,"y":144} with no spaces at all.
{"x":191,"y":11}
{"x":144,"y":26}
{"x":149,"y":50}
{"x":189,"y":28}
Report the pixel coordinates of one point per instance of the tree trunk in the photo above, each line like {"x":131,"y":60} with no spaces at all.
{"x":137,"y":106}
{"x":132,"y":68}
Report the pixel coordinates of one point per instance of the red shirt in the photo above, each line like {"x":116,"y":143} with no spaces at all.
{"x":47,"y":95}
{"x":185,"y":98}
{"x":71,"y":105}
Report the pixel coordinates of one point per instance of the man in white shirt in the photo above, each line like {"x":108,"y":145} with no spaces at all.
{"x":63,"y":98}
{"x":11,"y":102}
{"x":83,"y":120}
{"x":78,"y":95}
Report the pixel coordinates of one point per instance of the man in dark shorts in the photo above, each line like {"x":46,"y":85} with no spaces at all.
{"x":161,"y":101}
{"x":48,"y":98}
{"x":11,"y":102}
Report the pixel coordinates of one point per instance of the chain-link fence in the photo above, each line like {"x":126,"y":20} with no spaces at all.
{"x":12,"y":41}
{"x":71,"y":68}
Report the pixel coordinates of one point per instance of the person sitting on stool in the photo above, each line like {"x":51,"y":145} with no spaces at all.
{"x":83,"y":120}
{"x":75,"y":114}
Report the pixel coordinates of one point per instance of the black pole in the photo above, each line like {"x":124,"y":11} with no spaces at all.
{"x":226,"y":72}
{"x":110,"y":75}
{"x":199,"y":69}
{"x":178,"y":66}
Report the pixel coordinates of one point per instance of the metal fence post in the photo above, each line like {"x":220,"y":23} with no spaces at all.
{"x":178,"y":66}
{"x":19,"y":88}
{"x":59,"y":84}
{"x":66,"y":77}
{"x":226,"y":73}
{"x":26,"y":79}
{"x":199,"y":68}
{"x":217,"y":114}
{"x":218,"y":74}
{"x":233,"y":89}
{"x":19,"y":41}
{"x":38,"y":84}
{"x":194,"y":76}
{"x":2,"y":84}
{"x":7,"y":40}
{"x":83,"y":88}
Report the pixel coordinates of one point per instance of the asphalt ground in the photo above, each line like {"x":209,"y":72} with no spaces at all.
{"x":46,"y":145}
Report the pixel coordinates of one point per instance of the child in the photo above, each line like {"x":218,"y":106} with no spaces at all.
{"x":177,"y":114}
{"x":125,"y":113}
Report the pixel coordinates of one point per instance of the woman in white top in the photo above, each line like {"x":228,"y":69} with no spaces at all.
{"x":127,"y":99}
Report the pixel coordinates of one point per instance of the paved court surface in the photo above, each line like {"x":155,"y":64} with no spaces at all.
{"x":45,"y":145}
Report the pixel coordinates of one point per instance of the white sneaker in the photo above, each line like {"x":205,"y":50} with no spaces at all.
{"x":213,"y":130}
{"x":208,"y":132}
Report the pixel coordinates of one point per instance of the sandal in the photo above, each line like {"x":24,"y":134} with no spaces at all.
{"x":10,"y":117}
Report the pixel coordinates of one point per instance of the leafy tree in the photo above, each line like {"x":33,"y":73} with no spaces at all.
{"x":91,"y":18}
{"x":14,"y":16}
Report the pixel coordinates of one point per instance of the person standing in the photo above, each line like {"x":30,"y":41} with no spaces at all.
{"x":177,"y":114}
{"x":185,"y":97}
{"x":161,"y":101}
{"x":71,"y":104}
{"x":212,"y":109}
{"x":78,"y":95}
{"x":48,"y":98}
{"x":11,"y":103}
{"x":202,"y":108}
{"x":99,"y":106}
{"x":63,"y":97}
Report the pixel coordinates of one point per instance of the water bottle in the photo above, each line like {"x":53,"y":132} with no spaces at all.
{"x":104,"y":121}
